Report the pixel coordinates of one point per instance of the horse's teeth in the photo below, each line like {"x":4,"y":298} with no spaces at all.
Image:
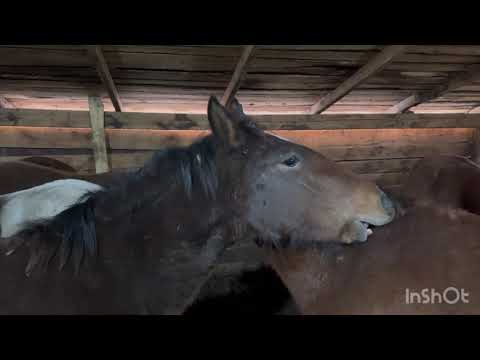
{"x":369,"y":232}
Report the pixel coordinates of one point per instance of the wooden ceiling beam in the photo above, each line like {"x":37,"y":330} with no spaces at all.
{"x":471,"y":74}
{"x":237,"y":75}
{"x":377,"y":63}
{"x":106,"y":77}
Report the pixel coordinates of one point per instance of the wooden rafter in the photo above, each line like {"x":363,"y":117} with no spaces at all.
{"x":5,"y":104}
{"x":373,"y":66}
{"x":475,"y":110}
{"x":471,"y":74}
{"x":237,"y":74}
{"x":106,"y":77}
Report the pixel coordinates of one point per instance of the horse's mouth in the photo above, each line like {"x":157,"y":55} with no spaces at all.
{"x":356,"y":231}
{"x":369,"y":227}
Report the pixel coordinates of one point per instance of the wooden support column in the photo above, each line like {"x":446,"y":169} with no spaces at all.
{"x":97,"y":123}
{"x":475,"y":152}
{"x":237,"y":75}
{"x":475,"y":149}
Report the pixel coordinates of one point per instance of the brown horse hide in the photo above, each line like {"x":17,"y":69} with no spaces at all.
{"x":49,"y":162}
{"x":145,"y":241}
{"x":425,"y":262}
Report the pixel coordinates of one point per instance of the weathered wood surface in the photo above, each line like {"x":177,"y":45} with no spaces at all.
{"x":113,"y":120}
{"x":202,"y":57}
{"x":381,"y":158}
{"x":373,"y":66}
{"x":468,"y":77}
{"x":5,"y":104}
{"x":475,"y":146}
{"x":106,"y":77}
{"x":405,"y":104}
{"x":99,"y":145}
{"x":180,"y":78}
{"x":45,"y":137}
{"x":382,"y":154}
{"x":238,"y":75}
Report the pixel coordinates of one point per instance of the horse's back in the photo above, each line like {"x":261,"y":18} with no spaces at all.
{"x":20,"y":175}
{"x":49,"y":162}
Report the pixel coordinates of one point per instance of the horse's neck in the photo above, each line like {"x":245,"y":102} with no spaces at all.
{"x":171,"y":238}
{"x":156,"y":207}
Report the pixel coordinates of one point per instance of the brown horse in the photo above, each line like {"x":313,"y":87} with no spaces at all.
{"x":49,"y":162}
{"x":425,"y":262}
{"x":145,"y":241}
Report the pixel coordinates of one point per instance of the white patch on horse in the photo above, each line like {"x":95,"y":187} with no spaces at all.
{"x":41,"y":203}
{"x":277,"y":136}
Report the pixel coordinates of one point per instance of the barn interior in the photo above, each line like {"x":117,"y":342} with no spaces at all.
{"x":376,"y":109}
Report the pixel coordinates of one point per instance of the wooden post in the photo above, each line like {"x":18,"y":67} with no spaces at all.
{"x":97,"y":123}
{"x":476,"y":146}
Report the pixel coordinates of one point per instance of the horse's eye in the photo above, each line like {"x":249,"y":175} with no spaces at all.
{"x":291,"y":161}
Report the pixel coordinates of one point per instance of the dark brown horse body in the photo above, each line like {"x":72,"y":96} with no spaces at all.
{"x":161,"y":228}
{"x":134,"y":274}
{"x":425,"y":262}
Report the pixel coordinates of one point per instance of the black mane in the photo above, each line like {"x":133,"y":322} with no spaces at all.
{"x":68,"y":237}
{"x":192,"y":167}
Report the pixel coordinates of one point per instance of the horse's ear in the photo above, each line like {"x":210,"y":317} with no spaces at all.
{"x":236,"y":108}
{"x":224,"y":127}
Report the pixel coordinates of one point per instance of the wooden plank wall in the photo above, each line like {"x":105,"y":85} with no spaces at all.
{"x":383,"y":155}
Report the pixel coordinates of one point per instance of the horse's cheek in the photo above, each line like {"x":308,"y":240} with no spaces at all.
{"x":271,"y":210}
